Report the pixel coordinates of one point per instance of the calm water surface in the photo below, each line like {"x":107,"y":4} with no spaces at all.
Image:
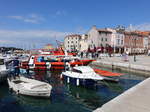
{"x":66,"y":97}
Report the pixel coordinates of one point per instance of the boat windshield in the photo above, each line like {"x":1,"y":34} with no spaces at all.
{"x":77,"y":71}
{"x":19,"y":81}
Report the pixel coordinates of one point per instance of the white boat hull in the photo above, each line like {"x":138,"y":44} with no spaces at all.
{"x":43,"y":90}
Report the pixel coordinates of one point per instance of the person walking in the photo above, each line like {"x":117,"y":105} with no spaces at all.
{"x":81,"y":54}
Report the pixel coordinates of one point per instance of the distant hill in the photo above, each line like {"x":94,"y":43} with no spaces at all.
{"x":6,"y":49}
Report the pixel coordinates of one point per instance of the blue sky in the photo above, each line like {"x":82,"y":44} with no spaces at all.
{"x":23,"y":22}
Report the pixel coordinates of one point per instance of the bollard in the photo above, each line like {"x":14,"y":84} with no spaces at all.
{"x":68,"y":80}
{"x":77,"y":82}
{"x":61,"y":76}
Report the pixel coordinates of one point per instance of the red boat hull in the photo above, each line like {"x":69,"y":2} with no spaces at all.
{"x":53,"y":65}
{"x":106,"y":73}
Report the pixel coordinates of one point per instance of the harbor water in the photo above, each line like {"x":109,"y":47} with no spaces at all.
{"x":66,"y":97}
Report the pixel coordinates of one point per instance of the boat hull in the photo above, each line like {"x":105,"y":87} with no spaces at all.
{"x":82,"y":82}
{"x":53,"y":65}
{"x":19,"y":89}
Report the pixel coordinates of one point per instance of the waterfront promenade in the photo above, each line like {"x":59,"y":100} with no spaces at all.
{"x":136,"y":99}
{"x":141,"y":65}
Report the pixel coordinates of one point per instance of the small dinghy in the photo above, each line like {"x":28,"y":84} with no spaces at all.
{"x":30,"y":87}
{"x":108,"y":76}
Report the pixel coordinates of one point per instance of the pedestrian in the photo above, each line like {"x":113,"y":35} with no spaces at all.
{"x":42,"y":59}
{"x":87,"y":54}
{"x":81,"y":54}
{"x":125,"y":56}
{"x":97,"y":54}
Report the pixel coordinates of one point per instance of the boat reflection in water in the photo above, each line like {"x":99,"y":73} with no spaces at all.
{"x":95,"y":96}
{"x":90,"y":97}
{"x":32,"y":101}
{"x":66,"y":97}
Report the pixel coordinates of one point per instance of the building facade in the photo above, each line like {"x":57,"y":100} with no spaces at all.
{"x":117,"y":40}
{"x":149,"y":42}
{"x":99,"y":37}
{"x":83,"y":43}
{"x":71,"y":42}
{"x":134,"y":43}
{"x":106,"y":37}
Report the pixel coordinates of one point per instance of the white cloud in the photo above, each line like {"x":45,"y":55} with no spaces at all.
{"x":16,"y":17}
{"x":59,"y":13}
{"x":6,"y":42}
{"x":32,"y":18}
{"x":38,"y":37}
{"x":142,"y":27}
{"x":31,"y":21}
{"x":31,"y":33}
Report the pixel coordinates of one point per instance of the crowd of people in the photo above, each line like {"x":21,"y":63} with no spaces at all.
{"x":99,"y":55}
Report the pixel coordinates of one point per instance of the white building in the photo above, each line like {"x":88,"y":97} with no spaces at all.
{"x":145,"y":42}
{"x":119,"y":41}
{"x":83,"y":43}
{"x":71,"y":42}
{"x":100,"y":37}
{"x":105,"y":37}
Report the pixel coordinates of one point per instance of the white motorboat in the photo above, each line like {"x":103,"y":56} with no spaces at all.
{"x":30,"y":87}
{"x":3,"y":71}
{"x":81,"y":75}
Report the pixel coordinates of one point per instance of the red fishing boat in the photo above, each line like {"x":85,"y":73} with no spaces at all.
{"x":45,"y":62}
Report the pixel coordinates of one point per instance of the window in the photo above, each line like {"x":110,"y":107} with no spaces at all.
{"x":102,"y":39}
{"x":105,"y":39}
{"x":121,"y":41}
{"x":77,"y":71}
{"x":71,"y":41}
{"x":118,"y":41}
{"x":68,"y":42}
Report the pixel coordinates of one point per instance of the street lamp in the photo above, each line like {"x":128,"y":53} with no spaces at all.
{"x":135,"y":39}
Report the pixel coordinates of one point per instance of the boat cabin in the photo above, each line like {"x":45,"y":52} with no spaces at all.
{"x":56,"y":59}
{"x":82,"y":69}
